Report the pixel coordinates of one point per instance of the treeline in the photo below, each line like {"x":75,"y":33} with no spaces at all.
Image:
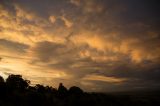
{"x":15,"y":91}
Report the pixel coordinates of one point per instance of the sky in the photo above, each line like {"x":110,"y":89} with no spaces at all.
{"x":98,"y":45}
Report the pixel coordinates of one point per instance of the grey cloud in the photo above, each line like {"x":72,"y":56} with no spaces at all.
{"x":13,"y":46}
{"x":47,"y":51}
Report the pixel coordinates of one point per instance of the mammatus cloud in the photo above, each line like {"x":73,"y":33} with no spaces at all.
{"x":97,"y":44}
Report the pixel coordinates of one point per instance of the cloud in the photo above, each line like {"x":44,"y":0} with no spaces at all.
{"x":67,"y":22}
{"x":20,"y":13}
{"x":88,"y":6}
{"x":52,"y":19}
{"x":104,"y":78}
{"x":104,"y":42}
{"x":138,"y":50}
{"x":23,"y":26}
{"x":91,"y":40}
{"x":1,"y":59}
{"x":13,"y":47}
{"x":75,"y":2}
{"x":93,"y":6}
{"x":52,"y":50}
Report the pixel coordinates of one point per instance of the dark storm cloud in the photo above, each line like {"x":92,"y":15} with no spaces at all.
{"x":124,"y":16}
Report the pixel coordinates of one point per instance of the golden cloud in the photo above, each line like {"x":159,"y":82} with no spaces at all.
{"x":52,"y":19}
{"x":67,"y":22}
{"x":104,"y":79}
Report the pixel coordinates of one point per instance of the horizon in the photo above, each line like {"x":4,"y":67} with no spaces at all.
{"x":97,"y":45}
{"x":123,"y":92}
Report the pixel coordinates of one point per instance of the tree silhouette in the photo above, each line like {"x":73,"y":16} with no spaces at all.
{"x":40,"y":88}
{"x":17,"y":82}
{"x":62,"y":90}
{"x":2,"y":87}
{"x":15,"y":91}
{"x":1,"y":80}
{"x":75,"y":90}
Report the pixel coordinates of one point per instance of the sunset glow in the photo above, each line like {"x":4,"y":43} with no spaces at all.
{"x":98,"y":44}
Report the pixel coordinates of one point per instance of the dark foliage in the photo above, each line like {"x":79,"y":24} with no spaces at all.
{"x":16,"y":91}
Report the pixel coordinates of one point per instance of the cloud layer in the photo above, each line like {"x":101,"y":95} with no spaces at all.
{"x":99,"y":45}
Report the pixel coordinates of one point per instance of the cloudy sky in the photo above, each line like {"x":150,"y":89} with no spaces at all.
{"x":98,"y":45}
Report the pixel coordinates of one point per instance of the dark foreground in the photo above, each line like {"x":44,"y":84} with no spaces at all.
{"x":16,"y":91}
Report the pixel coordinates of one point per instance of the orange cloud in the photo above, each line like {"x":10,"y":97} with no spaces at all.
{"x":104,"y":79}
{"x":91,"y":39}
{"x":52,"y":19}
{"x":67,"y":22}
{"x":24,"y":14}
